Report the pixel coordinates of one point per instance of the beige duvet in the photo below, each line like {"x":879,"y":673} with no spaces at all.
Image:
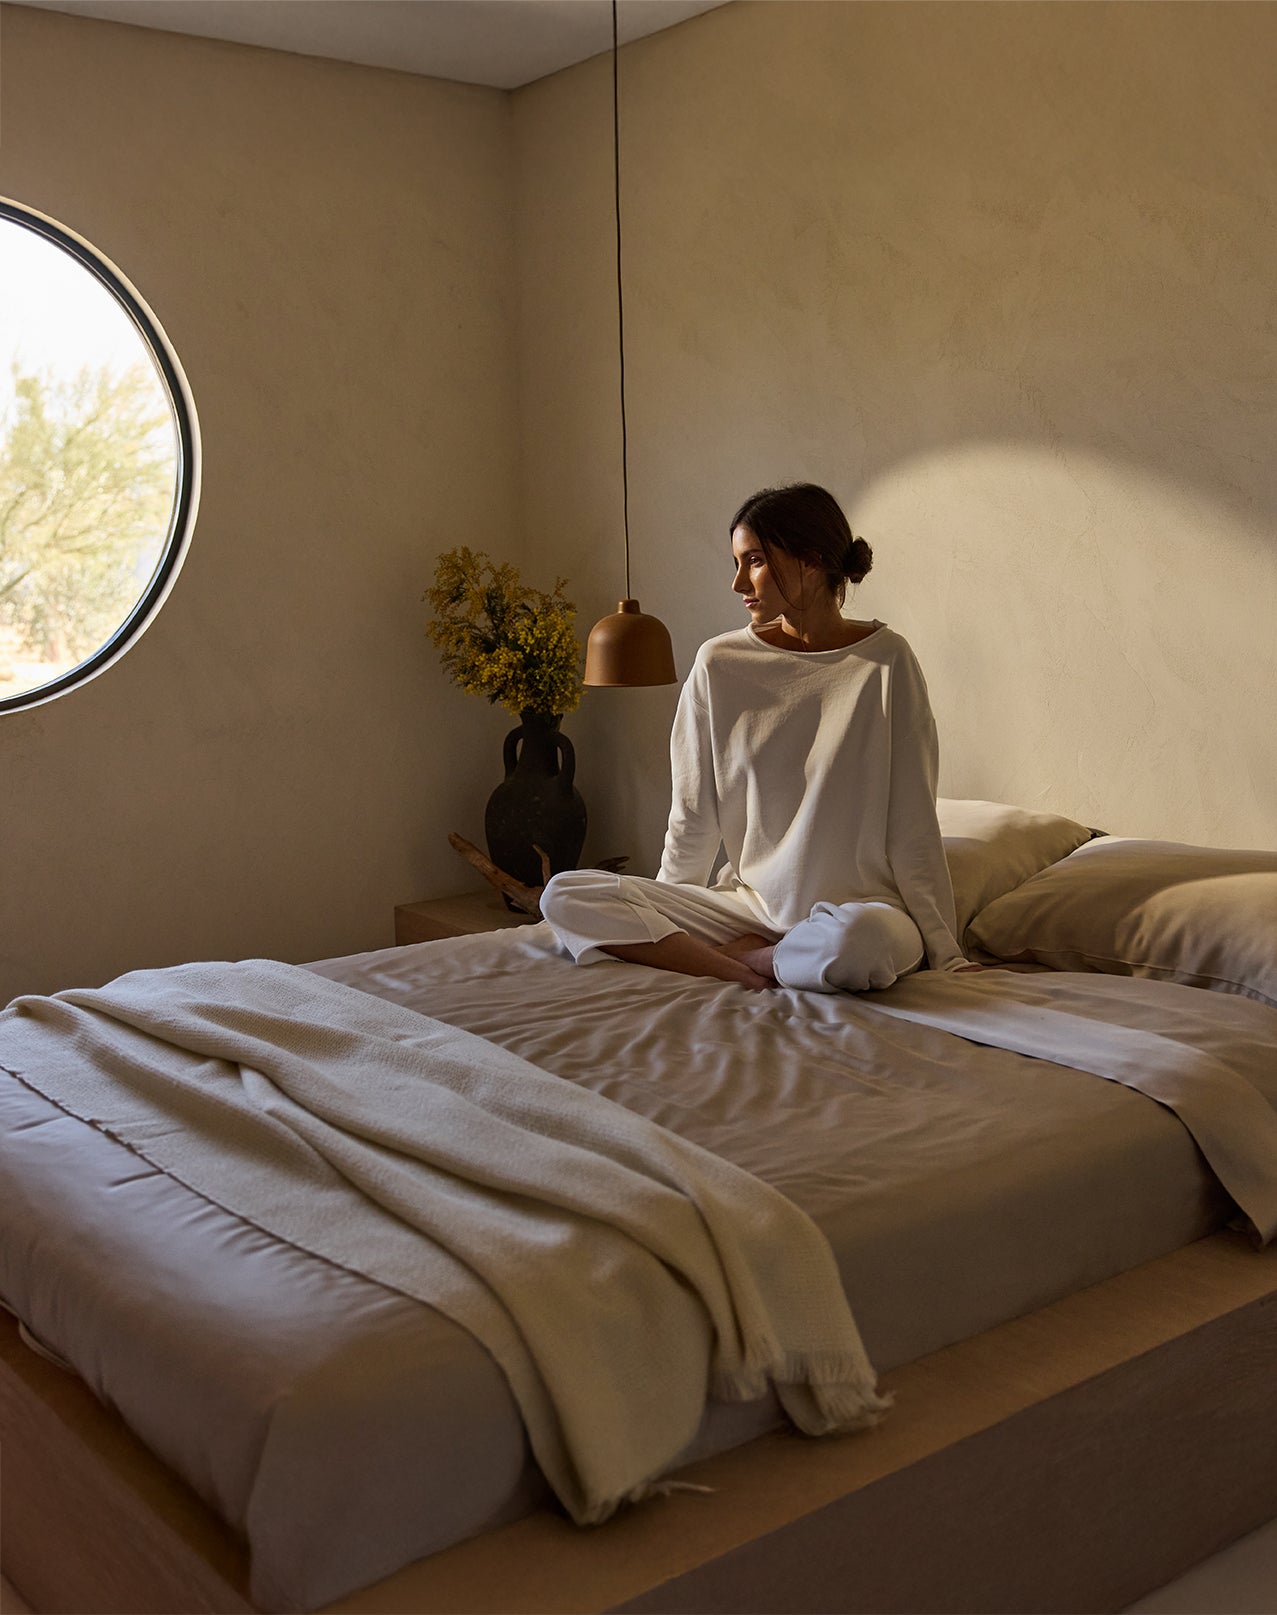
{"x":347,"y":1430}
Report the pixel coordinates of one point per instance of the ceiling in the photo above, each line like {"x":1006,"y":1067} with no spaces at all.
{"x":502,"y":43}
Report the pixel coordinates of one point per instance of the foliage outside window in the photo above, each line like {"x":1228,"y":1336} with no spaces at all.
{"x":97,"y":461}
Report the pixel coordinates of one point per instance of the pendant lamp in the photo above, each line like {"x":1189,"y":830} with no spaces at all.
{"x":627,"y":648}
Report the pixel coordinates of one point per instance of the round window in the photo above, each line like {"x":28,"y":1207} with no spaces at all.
{"x":99,"y":461}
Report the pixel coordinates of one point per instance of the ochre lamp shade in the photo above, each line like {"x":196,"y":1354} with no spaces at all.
{"x":628,"y":649}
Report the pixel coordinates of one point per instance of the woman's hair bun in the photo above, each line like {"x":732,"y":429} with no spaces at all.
{"x":859,"y":559}
{"x":807,"y":522}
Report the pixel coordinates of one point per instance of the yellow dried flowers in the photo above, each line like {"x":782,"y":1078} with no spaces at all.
{"x":499,"y":638}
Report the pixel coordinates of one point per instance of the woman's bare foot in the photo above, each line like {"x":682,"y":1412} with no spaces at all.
{"x":754,"y":952}
{"x":689,"y":956}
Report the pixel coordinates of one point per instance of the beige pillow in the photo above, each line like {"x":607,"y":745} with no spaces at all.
{"x":1204,"y":916}
{"x":991,"y":848}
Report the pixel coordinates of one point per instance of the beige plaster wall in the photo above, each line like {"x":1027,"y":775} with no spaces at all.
{"x":1002,"y":276}
{"x":999,"y":274}
{"x":278,"y":760}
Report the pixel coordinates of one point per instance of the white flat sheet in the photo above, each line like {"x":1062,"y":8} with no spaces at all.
{"x":348,"y":1431}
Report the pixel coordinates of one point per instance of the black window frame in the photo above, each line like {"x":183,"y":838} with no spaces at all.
{"x":186,"y":500}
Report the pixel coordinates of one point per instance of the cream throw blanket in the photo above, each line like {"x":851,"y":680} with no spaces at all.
{"x":616,"y":1272}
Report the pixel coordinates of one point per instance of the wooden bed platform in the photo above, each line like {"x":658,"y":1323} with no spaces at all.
{"x":1071,"y":1460}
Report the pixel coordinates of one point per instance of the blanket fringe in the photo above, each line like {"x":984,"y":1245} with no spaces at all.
{"x":841,"y":1385}
{"x":838,"y":1408}
{"x":667,"y":1488}
{"x":660,"y":1487}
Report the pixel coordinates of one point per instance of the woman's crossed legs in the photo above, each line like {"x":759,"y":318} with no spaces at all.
{"x":709,"y":931}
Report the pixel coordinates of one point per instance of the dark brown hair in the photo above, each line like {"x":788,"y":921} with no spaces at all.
{"x":807,"y":522}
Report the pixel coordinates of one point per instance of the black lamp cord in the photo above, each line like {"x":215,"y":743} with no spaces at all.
{"x":620,"y":297}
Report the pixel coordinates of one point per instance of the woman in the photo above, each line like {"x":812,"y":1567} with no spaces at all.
{"x":805,"y":749}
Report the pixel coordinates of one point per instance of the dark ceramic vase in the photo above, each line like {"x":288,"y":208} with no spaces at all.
{"x":536,"y":805}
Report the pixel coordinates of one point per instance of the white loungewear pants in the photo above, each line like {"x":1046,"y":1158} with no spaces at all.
{"x":840,"y":947}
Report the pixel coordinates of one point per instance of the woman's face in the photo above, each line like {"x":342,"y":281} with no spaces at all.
{"x":768,"y":593}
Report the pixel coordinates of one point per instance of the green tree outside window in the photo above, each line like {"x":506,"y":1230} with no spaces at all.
{"x":86,"y":494}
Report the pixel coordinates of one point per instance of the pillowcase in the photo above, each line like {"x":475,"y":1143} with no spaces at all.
{"x":1203,"y":916}
{"x":991,"y":848}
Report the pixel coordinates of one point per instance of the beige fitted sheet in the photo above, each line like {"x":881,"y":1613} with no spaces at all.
{"x":347,"y":1430}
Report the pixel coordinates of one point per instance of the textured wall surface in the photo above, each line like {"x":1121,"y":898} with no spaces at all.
{"x":277,"y":762}
{"x":1002,"y":277}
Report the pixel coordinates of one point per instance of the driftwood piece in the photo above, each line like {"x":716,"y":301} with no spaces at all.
{"x":526,"y":898}
{"x":520,"y":896}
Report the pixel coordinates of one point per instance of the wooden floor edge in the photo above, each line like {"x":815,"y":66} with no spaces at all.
{"x":1084,"y":1502}
{"x":90,"y":1519}
{"x":540,"y":1564}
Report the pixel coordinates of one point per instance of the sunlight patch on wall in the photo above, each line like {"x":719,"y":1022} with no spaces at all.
{"x":1098,"y":638}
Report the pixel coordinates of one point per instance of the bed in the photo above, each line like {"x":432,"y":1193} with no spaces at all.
{"x":1040,"y":1262}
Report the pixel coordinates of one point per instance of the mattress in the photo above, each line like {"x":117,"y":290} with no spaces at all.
{"x":346,"y":1430}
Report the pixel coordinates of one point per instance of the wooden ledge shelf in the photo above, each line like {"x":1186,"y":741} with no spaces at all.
{"x":436,"y":918}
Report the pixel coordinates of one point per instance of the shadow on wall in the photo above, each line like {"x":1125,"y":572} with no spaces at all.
{"x":623,"y":771}
{"x":1097,"y":636}
{"x":1001,"y":278}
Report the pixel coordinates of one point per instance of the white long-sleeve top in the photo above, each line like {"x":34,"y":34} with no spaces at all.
{"x":816,"y":773}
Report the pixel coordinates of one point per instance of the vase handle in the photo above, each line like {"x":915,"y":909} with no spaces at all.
{"x":510,"y":750}
{"x":567,"y":765}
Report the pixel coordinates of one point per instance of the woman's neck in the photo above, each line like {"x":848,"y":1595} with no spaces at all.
{"x":813,"y":631}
